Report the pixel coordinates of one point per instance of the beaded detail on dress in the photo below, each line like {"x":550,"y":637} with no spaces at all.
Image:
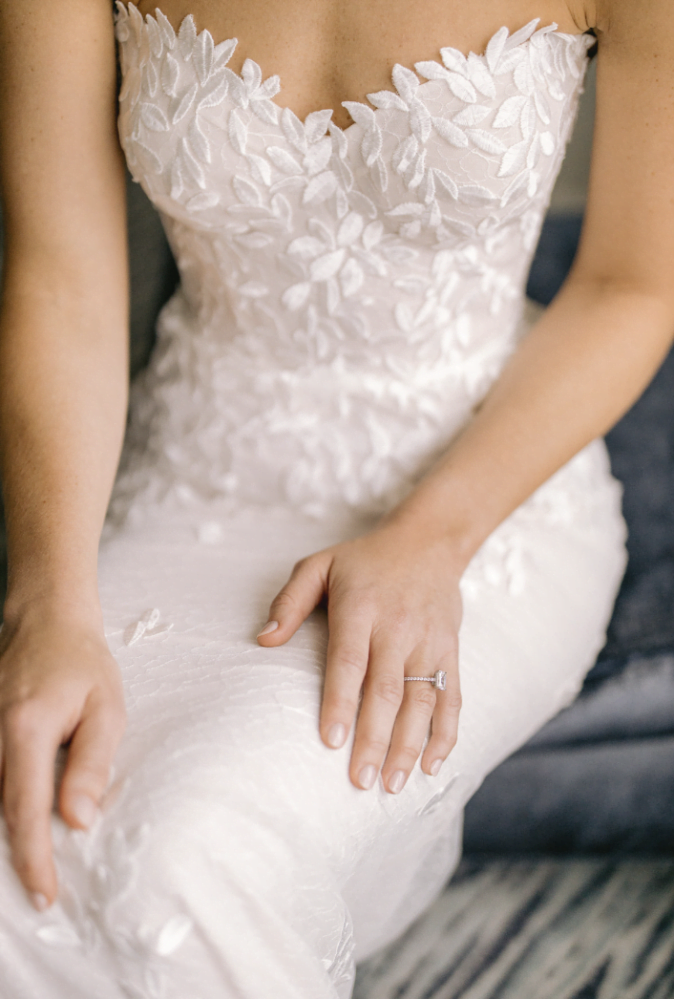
{"x":347,"y":296}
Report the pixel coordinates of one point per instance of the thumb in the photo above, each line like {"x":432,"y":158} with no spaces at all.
{"x":87,"y":771}
{"x":301,"y":594}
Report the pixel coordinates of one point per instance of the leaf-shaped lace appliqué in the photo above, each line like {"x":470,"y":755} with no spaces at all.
{"x":339,"y":285}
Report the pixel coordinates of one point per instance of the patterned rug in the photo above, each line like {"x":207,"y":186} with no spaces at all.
{"x":537,"y":929}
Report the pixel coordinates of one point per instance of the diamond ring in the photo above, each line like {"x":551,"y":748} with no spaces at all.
{"x":439,"y":679}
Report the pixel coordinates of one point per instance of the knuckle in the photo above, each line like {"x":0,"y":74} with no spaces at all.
{"x":375,"y":745}
{"x":388,"y":689}
{"x":444,"y":737}
{"x":424,"y":696}
{"x":284,"y":600}
{"x":361,"y":603}
{"x":408,"y":753}
{"x":90,"y":781}
{"x":398,"y":620}
{"x":90,"y":772}
{"x":23,"y":720}
{"x":19,"y":814}
{"x":445,"y":743}
{"x":453,"y":700}
{"x":108,"y":706}
{"x":350,"y":660}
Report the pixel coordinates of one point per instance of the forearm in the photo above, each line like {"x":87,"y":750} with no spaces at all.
{"x":581,"y":367}
{"x":63,"y":376}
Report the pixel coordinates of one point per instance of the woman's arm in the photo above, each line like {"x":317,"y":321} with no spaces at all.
{"x":393,"y":596}
{"x":63,"y":377}
{"x":599,"y":344}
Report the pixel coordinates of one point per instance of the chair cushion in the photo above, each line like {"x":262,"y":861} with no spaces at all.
{"x":634,"y":701}
{"x":592,"y":798}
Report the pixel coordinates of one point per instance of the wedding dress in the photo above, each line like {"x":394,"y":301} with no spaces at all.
{"x":347,"y":299}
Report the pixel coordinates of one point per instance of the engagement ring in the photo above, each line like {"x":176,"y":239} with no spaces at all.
{"x":439,"y":679}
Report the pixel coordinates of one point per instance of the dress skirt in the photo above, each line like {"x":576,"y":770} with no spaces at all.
{"x":233,"y":857}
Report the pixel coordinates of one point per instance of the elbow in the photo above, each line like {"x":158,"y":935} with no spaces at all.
{"x":651,"y":297}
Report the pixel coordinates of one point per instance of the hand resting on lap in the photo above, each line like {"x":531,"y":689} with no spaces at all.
{"x":394,"y":609}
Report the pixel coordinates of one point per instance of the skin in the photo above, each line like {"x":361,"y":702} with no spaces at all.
{"x":392,"y":595}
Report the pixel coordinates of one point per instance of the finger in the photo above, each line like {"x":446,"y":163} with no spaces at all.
{"x":445,"y":722}
{"x":382,"y":697}
{"x":30,"y":743}
{"x":349,"y":634}
{"x":295,"y":602}
{"x":411,"y":726}
{"x":88,"y":764}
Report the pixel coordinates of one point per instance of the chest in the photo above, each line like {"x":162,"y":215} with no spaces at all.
{"x":456,"y":150}
{"x":329,"y":51}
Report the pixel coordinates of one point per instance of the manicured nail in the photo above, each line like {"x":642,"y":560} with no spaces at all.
{"x":435,"y":767}
{"x":268,"y":628}
{"x":84,"y":809}
{"x":39,"y":901}
{"x":367,"y":777}
{"x":397,"y":782}
{"x":336,"y":736}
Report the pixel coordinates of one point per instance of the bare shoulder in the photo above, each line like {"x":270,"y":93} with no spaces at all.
{"x":636,"y":25}
{"x":74,"y":31}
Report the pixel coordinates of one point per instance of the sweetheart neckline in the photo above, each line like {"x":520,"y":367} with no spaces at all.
{"x":527,"y":31}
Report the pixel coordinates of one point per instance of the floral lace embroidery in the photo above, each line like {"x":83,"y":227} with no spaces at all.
{"x":91,"y":915}
{"x":348,"y":295}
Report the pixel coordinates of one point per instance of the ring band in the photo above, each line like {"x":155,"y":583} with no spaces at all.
{"x":439,"y":679}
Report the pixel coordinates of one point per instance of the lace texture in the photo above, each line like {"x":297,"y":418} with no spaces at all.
{"x":348,"y":296}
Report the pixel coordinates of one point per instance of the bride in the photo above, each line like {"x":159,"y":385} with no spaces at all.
{"x":347,"y":382}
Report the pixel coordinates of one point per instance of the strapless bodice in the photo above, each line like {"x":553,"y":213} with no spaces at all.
{"x":347,"y":295}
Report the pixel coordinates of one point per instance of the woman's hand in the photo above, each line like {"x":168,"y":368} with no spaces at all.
{"x":58,"y":684}
{"x":394,"y":610}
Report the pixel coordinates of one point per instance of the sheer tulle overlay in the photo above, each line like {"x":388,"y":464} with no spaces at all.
{"x":347,"y":299}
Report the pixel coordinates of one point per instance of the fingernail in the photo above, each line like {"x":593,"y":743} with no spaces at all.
{"x":83,"y":809}
{"x":268,"y":628}
{"x":40,"y":901}
{"x":367,"y":777}
{"x":336,"y":736}
{"x":435,"y":767}
{"x":397,"y":782}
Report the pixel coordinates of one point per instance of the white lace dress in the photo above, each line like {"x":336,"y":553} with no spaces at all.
{"x":347,"y":298}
